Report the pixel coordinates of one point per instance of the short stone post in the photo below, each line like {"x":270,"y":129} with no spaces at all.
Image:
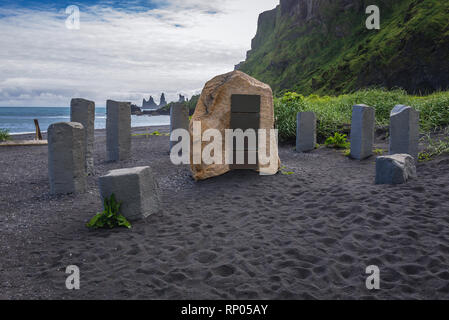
{"x":118,"y":130}
{"x":362,"y":131}
{"x":136,"y":188}
{"x":179,"y":119}
{"x":395,"y":169}
{"x":404,"y":131}
{"x":66,"y":158}
{"x":305,"y":131}
{"x":83,"y":111}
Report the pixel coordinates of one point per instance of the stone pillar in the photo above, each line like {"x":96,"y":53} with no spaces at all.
{"x":305,"y":131}
{"x":179,"y":119}
{"x":362,"y":131}
{"x":404,"y":131}
{"x":118,"y":130}
{"x":83,"y":111}
{"x":136,"y":188}
{"x":66,"y":158}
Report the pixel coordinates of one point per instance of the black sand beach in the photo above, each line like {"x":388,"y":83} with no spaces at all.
{"x":308,"y":235}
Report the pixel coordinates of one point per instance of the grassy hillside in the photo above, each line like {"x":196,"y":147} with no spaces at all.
{"x":334,"y":53}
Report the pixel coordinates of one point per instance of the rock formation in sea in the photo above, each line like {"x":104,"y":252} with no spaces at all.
{"x":150,"y":104}
{"x":135,"y":109}
{"x":162,"y":102}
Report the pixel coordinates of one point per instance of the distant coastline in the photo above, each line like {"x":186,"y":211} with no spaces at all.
{"x":19,"y":120}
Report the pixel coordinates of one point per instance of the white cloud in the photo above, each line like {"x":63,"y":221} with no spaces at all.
{"x":122,"y":55}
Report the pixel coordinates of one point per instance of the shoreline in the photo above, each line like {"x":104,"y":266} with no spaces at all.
{"x":141,"y":129}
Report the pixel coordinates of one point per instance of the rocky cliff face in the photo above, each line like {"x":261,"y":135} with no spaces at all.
{"x":323,"y":46}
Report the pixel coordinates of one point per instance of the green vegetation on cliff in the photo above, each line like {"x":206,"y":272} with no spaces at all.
{"x":324,"y":47}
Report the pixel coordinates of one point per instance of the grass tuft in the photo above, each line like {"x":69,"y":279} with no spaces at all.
{"x":4,"y":135}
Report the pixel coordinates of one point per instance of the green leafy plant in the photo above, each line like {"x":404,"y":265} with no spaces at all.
{"x":110,"y":217}
{"x":4,"y":135}
{"x":155,"y":133}
{"x":285,"y":172}
{"x":346,"y":152}
{"x":379,"y":152}
{"x":338,"y":141}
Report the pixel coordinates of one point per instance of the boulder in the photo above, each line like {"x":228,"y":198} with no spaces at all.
{"x":136,"y":188}
{"x":395,"y":169}
{"x":213,"y":111}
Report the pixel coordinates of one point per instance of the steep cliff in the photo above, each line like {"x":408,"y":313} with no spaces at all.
{"x":323,"y":46}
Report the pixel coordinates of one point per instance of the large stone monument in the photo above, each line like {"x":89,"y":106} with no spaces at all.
{"x":136,"y":188}
{"x":229,"y":102}
{"x":404,"y":131}
{"x":362,"y":131}
{"x":83,"y":111}
{"x":179,"y":118}
{"x":118,"y":130}
{"x":66,"y":158}
{"x":305,"y":131}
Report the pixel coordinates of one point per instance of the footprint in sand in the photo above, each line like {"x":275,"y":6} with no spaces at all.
{"x":224,"y":270}
{"x":206,"y":257}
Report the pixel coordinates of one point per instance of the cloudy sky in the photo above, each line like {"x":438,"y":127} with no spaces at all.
{"x":124,"y":50}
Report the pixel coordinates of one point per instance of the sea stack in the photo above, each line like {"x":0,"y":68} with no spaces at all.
{"x":162,"y":102}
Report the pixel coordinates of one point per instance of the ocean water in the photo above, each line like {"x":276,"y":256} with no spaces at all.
{"x":21,"y":119}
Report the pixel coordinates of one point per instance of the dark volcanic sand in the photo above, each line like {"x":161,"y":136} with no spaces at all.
{"x":306,"y":235}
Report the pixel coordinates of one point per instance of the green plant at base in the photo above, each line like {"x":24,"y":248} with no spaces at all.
{"x":4,"y":135}
{"x":338,"y":141}
{"x":379,"y":151}
{"x":346,"y":152}
{"x":110,"y":217}
{"x":286,"y":173}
